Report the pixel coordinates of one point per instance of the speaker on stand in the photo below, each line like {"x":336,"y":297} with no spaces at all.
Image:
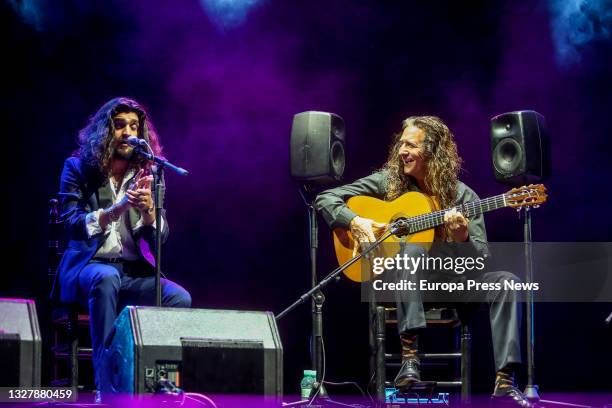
{"x":317,"y":148}
{"x":317,"y":159}
{"x":520,"y":148}
{"x":520,"y":152}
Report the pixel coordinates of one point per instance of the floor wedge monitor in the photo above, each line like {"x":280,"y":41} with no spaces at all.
{"x":199,"y":350}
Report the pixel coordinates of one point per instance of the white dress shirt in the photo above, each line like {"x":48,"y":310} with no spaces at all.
{"x":119,"y":242}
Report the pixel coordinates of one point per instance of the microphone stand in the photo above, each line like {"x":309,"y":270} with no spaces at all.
{"x":158,"y":194}
{"x":399,"y":227}
{"x":394,"y":229}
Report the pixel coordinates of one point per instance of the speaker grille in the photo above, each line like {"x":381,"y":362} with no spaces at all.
{"x":507,"y":156}
{"x":520,"y":150}
{"x":337,"y":159}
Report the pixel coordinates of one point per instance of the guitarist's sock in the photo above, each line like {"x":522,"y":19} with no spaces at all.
{"x":504,"y":379}
{"x":410,"y":346}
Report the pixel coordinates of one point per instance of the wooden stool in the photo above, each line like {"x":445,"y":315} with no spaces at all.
{"x":71,"y":344}
{"x":436,"y":317}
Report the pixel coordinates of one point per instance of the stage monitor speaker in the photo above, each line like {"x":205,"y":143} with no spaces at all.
{"x":520,"y":148}
{"x":200,"y":350}
{"x":317,"y":147}
{"x":20,"y":344}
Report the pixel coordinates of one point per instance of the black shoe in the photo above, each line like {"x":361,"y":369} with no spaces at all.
{"x":510,"y":396}
{"x":408,"y":374}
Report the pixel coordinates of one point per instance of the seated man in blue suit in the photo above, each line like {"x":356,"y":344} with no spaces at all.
{"x":108,"y":211}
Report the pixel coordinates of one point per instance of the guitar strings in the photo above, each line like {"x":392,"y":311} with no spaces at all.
{"x":431,"y":220}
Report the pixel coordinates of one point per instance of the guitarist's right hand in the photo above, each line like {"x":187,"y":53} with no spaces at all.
{"x":364,"y":230}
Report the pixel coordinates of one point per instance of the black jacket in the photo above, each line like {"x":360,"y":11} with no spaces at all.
{"x":81,"y":192}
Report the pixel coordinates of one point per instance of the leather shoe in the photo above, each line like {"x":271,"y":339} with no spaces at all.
{"x":510,"y":396}
{"x":408,"y":374}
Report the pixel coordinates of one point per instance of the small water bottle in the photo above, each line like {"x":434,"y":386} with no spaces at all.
{"x":310,"y":377}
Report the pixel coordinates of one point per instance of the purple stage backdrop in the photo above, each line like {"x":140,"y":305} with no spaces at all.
{"x":223,"y":79}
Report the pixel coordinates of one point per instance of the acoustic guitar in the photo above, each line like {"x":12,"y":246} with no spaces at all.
{"x":421,"y":214}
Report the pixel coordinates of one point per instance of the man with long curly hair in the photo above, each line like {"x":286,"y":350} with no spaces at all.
{"x":423,"y":157}
{"x":109,"y":215}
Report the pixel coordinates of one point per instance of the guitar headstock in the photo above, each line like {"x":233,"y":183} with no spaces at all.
{"x":532,"y":195}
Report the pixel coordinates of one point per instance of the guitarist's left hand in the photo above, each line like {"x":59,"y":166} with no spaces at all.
{"x":456,"y":226}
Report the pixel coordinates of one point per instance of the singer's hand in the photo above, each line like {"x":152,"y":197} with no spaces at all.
{"x":143,"y":181}
{"x":134,"y":185}
{"x":139,"y":196}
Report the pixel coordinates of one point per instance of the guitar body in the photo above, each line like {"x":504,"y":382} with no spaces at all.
{"x":415,"y":206}
{"x":408,"y":205}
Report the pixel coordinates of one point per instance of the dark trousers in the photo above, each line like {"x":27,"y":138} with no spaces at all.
{"x":504,"y":309}
{"x":106,"y":288}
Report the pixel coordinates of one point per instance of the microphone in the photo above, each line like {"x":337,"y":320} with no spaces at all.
{"x":136,"y":142}
{"x":141,"y":143}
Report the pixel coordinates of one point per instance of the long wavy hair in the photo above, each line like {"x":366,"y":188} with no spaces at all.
{"x":95,"y":139}
{"x":442,"y":162}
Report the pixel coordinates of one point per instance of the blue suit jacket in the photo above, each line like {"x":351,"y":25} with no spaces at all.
{"x":81,"y":192}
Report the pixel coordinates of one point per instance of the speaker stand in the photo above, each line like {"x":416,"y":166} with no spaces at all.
{"x":317,"y":299}
{"x":531,"y":389}
{"x":319,"y":394}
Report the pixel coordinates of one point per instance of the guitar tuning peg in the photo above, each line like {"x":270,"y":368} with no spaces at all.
{"x":536,"y":206}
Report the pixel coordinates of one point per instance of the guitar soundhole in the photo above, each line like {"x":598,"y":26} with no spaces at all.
{"x":402,"y":235}
{"x":399,"y":216}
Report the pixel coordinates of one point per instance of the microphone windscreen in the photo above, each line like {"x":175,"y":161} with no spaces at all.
{"x":134,"y":141}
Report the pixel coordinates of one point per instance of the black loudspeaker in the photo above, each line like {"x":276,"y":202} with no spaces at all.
{"x":20,"y":345}
{"x":317,"y":147}
{"x":199,"y":350}
{"x":520,"y":148}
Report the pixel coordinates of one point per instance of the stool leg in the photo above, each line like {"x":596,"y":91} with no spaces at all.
{"x":55,"y":359}
{"x":466,"y":364}
{"x":372,"y":342}
{"x":380,"y":354}
{"x":73,"y":337}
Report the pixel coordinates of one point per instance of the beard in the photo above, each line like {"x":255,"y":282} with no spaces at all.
{"x":123,"y":153}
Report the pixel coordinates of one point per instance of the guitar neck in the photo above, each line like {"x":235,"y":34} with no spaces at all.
{"x":469,"y":209}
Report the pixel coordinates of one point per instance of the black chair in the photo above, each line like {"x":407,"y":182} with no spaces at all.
{"x":69,"y":322}
{"x":384,"y":319}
